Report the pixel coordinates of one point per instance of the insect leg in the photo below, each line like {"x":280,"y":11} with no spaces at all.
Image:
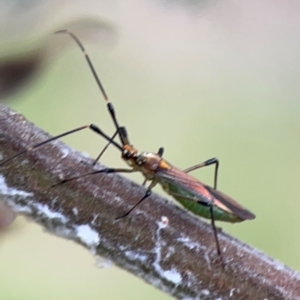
{"x":104,"y":149}
{"x":106,"y":170}
{"x":91,"y":126}
{"x":204,"y":164}
{"x":43,"y":143}
{"x":210,"y":204}
{"x":215,"y":231}
{"x":147,"y":195}
{"x":160,"y":151}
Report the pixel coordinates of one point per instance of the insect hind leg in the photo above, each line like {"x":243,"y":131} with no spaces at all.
{"x":215,"y":232}
{"x":206,"y":163}
{"x":214,"y":228}
{"x":213,"y":225}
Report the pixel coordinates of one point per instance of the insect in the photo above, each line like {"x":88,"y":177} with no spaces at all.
{"x":195,"y":196}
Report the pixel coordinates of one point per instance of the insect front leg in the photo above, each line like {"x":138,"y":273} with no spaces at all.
{"x":106,"y":171}
{"x":147,"y":195}
{"x":33,"y":147}
{"x":105,"y":148}
{"x":208,"y":162}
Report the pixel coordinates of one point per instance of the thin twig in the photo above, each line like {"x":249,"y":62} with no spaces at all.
{"x":158,"y":242}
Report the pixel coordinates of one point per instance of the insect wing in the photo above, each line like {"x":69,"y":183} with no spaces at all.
{"x":203,"y":192}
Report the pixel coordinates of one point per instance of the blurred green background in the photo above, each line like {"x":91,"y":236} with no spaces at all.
{"x":203,"y":79}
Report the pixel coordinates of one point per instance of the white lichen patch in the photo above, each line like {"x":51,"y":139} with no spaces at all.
{"x":23,"y":202}
{"x":205,"y":292}
{"x":207,"y":259}
{"x":56,"y":221}
{"x":171,"y":275}
{"x":65,"y":152}
{"x":75,"y":211}
{"x":231,"y":292}
{"x":87,"y":235}
{"x":44,"y":210}
{"x":5,"y":190}
{"x":133,"y":255}
{"x":118,"y":199}
{"x":187,"y":242}
{"x":164,"y":222}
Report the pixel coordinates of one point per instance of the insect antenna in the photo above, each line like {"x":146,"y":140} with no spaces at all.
{"x":109,"y":104}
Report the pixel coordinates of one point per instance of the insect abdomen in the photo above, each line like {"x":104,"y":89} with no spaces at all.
{"x":185,"y":197}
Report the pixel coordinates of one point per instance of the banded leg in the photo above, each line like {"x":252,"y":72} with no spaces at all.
{"x":205,"y":164}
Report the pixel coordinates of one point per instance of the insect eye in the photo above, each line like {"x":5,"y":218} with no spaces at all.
{"x":126,"y":154}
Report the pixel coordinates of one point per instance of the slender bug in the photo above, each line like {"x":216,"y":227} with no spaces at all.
{"x":199,"y":198}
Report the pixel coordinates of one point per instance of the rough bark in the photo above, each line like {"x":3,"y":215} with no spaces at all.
{"x":158,"y":242}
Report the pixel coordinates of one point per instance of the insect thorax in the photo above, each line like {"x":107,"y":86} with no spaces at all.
{"x":145,"y":162}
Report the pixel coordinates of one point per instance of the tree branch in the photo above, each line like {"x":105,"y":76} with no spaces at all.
{"x":158,"y":242}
